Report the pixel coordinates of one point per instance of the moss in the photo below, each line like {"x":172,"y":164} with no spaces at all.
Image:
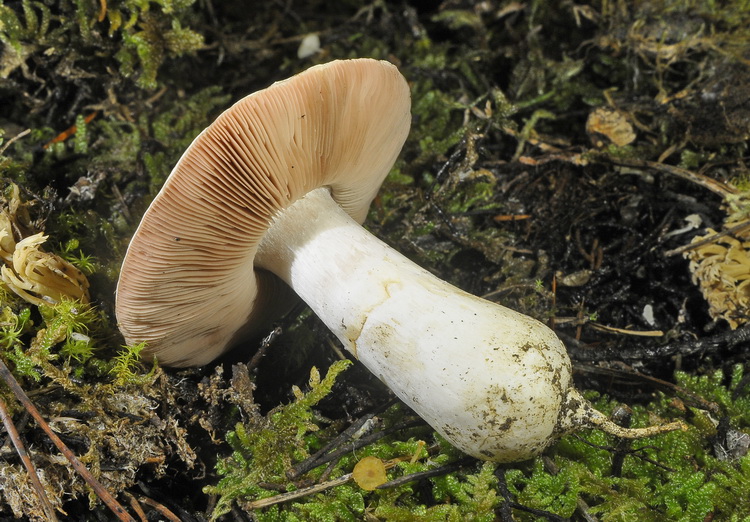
{"x":435,"y":111}
{"x":151,"y":45}
{"x":658,"y":480}
{"x":72,"y":29}
{"x":264,"y":449}
{"x":126,"y":367}
{"x":539,"y":489}
{"x":510,"y":81}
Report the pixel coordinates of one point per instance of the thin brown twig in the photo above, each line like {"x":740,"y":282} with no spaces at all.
{"x":98,"y":488}
{"x":442,"y":470}
{"x":136,"y":507}
{"x":13,"y":139}
{"x":313,"y":461}
{"x":49,"y":511}
{"x":710,"y":239}
{"x":161,"y":508}
{"x":715,"y":186}
{"x":303,"y":492}
{"x":354,"y":445}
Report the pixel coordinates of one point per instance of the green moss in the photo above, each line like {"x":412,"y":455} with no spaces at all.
{"x":265,"y":448}
{"x":476,"y":193}
{"x":556,"y":493}
{"x":149,"y":32}
{"x":65,"y":333}
{"x":659,"y":480}
{"x":152,"y":44}
{"x":435,"y":111}
{"x":126,"y":366}
{"x":733,"y":402}
{"x":346,"y":503}
{"x":31,"y":24}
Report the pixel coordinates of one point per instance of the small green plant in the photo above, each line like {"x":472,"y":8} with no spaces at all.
{"x":71,"y":253}
{"x":127,"y":366}
{"x":66,"y":325}
{"x":149,"y":46}
{"x":12,"y":325}
{"x":265,"y":448}
{"x":657,"y":478}
{"x":141,"y":36}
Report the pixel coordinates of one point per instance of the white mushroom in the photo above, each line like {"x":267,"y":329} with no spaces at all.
{"x":278,"y":185}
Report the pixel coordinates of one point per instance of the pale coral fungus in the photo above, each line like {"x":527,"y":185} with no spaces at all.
{"x":38,"y":277}
{"x":721,"y":268}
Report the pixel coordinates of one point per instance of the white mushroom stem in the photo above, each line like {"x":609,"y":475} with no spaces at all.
{"x":494,"y":382}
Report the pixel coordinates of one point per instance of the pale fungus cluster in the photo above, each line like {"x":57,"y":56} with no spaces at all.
{"x":721,"y":268}
{"x":36,"y":276}
{"x":270,"y":197}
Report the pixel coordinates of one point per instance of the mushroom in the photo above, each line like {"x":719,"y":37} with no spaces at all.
{"x":275,"y":190}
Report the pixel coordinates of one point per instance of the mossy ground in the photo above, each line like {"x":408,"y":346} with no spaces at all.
{"x":502,"y":188}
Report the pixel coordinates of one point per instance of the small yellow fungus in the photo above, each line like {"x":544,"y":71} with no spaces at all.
{"x":369,"y":473}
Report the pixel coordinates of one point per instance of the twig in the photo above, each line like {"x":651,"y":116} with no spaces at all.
{"x":625,"y":331}
{"x":49,"y":511}
{"x":70,"y":131}
{"x":161,"y":508}
{"x":364,"y":441}
{"x":442,"y":470}
{"x":264,"y":345}
{"x":136,"y":507}
{"x":506,"y":513}
{"x":100,"y":490}
{"x":724,"y":340}
{"x":14,"y":138}
{"x":715,"y":186}
{"x":617,"y":376}
{"x":315,"y":459}
{"x":284,"y":497}
{"x":584,"y":509}
{"x":317,"y":488}
{"x":710,"y":239}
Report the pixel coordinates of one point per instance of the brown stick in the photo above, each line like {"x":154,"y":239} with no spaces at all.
{"x":100,"y":490}
{"x":299,"y":493}
{"x":738,"y":229}
{"x":161,"y":508}
{"x":49,"y":511}
{"x":715,"y":186}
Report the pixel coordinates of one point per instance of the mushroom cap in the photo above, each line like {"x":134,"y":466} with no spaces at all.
{"x":188,"y":287}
